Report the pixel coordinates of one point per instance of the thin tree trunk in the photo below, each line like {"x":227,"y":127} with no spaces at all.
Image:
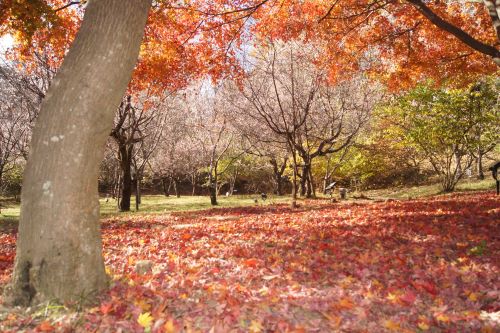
{"x":1,"y":179}
{"x":193,"y":181}
{"x":311,"y":188}
{"x":278,"y":175}
{"x":213,"y":196}
{"x":139,"y":189}
{"x":306,"y":181}
{"x":279,"y":185}
{"x":118,"y":192}
{"x":126,"y":165}
{"x":176,"y":187}
{"x":326,"y":178}
{"x":116,"y":184}
{"x":303,"y":180}
{"x":170,"y":182}
{"x":166,"y":188}
{"x":480,"y":173}
{"x":232,"y":183}
{"x":294,"y":182}
{"x":59,"y":249}
{"x":137,"y":193}
{"x":458,"y":164}
{"x":212,"y":188}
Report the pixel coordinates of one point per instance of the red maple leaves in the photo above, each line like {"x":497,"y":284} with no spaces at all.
{"x":400,"y":266}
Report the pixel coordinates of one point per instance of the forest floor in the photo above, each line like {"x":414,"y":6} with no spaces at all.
{"x":421,"y":265}
{"x":160,"y":204}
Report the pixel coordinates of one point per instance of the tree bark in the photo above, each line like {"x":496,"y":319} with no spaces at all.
{"x":306,"y":181}
{"x":303,"y":182}
{"x":212,"y":188}
{"x":213,"y":196}
{"x":1,"y":176}
{"x":137,"y":190}
{"x":480,"y":173}
{"x":460,"y":34}
{"x":166,"y":188}
{"x":311,"y":188}
{"x":59,"y":248}
{"x":176,"y":187}
{"x":193,"y":182}
{"x":278,"y":174}
{"x":126,"y":166}
{"x":458,"y":168}
{"x":294,"y":178}
{"x":118,"y":192}
{"x":279,"y":185}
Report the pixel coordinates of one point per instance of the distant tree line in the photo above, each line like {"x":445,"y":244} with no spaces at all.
{"x":283,"y":128}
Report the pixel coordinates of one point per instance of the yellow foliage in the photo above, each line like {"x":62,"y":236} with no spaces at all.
{"x":443,"y":318}
{"x":391,"y":325}
{"x":145,"y":320}
{"x":255,"y":327}
{"x":423,"y":326}
{"x":169,"y":326}
{"x":473,"y":297}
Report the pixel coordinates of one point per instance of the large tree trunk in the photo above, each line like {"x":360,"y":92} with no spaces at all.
{"x":59,"y":251}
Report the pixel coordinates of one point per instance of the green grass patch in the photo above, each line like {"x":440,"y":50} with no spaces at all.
{"x":9,"y":209}
{"x":160,"y":204}
{"x":430,"y":190}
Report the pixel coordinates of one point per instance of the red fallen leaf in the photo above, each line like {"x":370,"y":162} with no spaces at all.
{"x":45,"y":326}
{"x":106,"y":308}
{"x":370,"y":256}
{"x":171,"y":265}
{"x":427,"y":286}
{"x":251,"y":262}
{"x":323,"y":246}
{"x":186,"y":236}
{"x":409,"y":297}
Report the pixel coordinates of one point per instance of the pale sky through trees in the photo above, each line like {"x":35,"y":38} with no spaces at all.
{"x":6,"y":41}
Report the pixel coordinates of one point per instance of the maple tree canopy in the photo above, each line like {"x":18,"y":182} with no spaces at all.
{"x":400,"y":42}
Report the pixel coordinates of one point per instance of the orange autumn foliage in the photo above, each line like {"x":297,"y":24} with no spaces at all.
{"x":390,"y":40}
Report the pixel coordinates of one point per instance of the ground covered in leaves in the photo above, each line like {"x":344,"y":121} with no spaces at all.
{"x":429,"y":265}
